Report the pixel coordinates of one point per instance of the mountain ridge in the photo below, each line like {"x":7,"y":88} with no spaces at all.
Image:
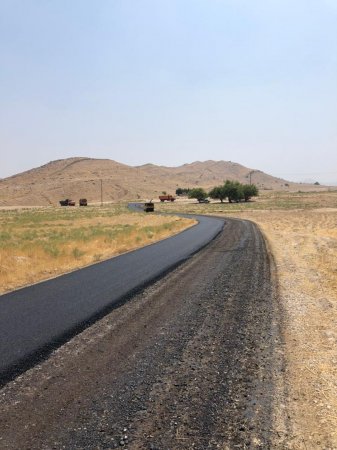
{"x":79,"y":177}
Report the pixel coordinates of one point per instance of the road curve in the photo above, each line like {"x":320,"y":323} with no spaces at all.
{"x":36,"y":319}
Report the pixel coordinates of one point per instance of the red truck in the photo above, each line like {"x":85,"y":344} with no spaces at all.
{"x":168,"y":198}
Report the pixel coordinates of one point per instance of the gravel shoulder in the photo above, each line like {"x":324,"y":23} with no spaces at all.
{"x":304,"y":244}
{"x":194,"y":361}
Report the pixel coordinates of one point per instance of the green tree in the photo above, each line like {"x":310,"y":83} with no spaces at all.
{"x":249,"y":191}
{"x":233,"y":190}
{"x":198,"y":193}
{"x":182,"y":191}
{"x":218,"y":192}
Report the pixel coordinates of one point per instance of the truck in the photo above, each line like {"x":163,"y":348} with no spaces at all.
{"x":148,"y":207}
{"x":83,"y":202}
{"x":67,"y":202}
{"x":168,"y":198}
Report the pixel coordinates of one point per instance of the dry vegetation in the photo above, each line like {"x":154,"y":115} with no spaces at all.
{"x":301,"y":230}
{"x":304,"y":244}
{"x":37,"y":244}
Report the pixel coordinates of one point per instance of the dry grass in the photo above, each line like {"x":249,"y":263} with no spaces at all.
{"x":304,"y":244}
{"x":267,"y":201}
{"x":41,"y":243}
{"x":301,"y":229}
{"x":305,"y":247}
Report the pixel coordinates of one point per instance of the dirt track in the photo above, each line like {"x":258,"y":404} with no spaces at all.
{"x":195,"y":361}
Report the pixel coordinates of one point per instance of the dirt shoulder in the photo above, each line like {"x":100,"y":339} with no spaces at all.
{"x":195,"y":361}
{"x":304,"y":244}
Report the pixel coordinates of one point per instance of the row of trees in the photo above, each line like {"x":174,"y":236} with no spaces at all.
{"x":182,"y":191}
{"x":231,"y":190}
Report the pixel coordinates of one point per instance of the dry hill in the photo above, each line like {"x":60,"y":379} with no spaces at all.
{"x":81,"y":177}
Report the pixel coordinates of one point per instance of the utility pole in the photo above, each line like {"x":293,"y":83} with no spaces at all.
{"x":101,"y":192}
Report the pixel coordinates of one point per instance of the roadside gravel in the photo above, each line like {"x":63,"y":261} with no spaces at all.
{"x":194,"y":361}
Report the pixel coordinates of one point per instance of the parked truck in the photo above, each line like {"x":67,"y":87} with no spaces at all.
{"x":67,"y":202}
{"x":168,"y":198}
{"x":149,"y":206}
{"x":83,"y":202}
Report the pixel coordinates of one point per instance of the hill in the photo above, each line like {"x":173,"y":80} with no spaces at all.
{"x":83,"y":177}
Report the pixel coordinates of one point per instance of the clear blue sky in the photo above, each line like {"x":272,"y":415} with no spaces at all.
{"x":170,"y":82}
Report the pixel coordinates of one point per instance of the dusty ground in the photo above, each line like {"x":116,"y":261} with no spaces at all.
{"x":304,"y":244}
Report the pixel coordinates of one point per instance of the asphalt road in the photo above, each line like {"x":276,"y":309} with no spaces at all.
{"x":36,"y":319}
{"x":193,"y":361}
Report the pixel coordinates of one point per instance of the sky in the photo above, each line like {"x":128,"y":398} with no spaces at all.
{"x":170,"y":82}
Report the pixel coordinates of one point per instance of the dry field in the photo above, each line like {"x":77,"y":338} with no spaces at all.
{"x":304,"y":245}
{"x":301,"y":230}
{"x":40,"y":243}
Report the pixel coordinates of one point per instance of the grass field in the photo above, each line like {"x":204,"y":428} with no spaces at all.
{"x":267,"y":201}
{"x":39,"y":243}
{"x":301,"y":230}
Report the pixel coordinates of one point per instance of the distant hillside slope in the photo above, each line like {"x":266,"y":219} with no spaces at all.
{"x":82,"y":177}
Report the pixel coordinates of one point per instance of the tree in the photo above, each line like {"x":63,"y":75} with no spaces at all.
{"x":249,"y":191}
{"x":233,"y":190}
{"x":182,"y":191}
{"x":198,"y":193}
{"x":218,"y":192}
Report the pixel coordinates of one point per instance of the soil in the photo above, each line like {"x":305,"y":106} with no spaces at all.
{"x":196,"y":361}
{"x":304,"y":244}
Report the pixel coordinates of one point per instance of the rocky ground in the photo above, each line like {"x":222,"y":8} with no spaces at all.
{"x":194,"y":361}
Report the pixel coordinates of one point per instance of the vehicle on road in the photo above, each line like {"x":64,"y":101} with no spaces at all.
{"x":148,"y":207}
{"x":83,"y":202}
{"x":203,"y":200}
{"x":67,"y":202}
{"x":168,"y":198}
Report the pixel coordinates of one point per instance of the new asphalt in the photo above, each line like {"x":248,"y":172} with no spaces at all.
{"x":39,"y":318}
